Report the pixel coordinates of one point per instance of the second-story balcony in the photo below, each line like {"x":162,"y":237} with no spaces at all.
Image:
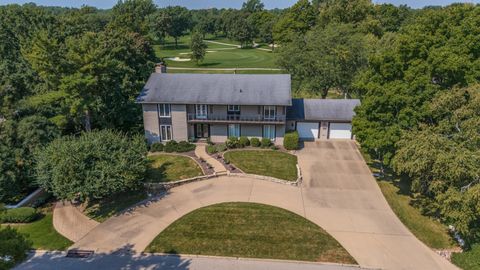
{"x":212,"y":118}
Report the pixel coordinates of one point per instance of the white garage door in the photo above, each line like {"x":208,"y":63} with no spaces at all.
{"x":340,"y":131}
{"x":308,"y":131}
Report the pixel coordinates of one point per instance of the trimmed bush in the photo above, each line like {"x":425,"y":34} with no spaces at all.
{"x":232,"y":142}
{"x":211,"y":149}
{"x":290,"y":141}
{"x":156,"y":147}
{"x":255,"y":142}
{"x":266,"y":142}
{"x":184,"y":146}
{"x":19,"y":215}
{"x":274,"y":147}
{"x":221,"y":147}
{"x":170,"y":146}
{"x":243,"y":142}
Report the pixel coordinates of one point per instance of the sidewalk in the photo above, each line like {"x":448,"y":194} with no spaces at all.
{"x":70,"y":222}
{"x":201,"y":152}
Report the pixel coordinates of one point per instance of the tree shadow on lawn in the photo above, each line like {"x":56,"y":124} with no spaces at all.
{"x":157,"y":174}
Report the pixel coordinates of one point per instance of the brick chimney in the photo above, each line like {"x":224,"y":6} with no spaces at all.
{"x":160,"y":67}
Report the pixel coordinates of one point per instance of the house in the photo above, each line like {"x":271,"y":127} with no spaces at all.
{"x":216,"y":106}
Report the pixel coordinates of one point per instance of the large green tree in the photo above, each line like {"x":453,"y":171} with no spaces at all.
{"x":198,"y":47}
{"x":442,"y":156}
{"x":325,"y":58}
{"x":13,"y":248}
{"x":93,"y":165}
{"x":296,"y":20}
{"x":132,"y":15}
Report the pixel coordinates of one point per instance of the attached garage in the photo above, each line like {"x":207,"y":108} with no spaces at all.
{"x":340,"y":131}
{"x":322,"y":118}
{"x":307,"y":130}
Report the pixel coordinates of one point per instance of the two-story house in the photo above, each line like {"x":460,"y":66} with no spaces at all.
{"x":217,"y":106}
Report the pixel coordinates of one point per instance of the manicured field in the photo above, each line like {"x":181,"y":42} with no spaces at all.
{"x":101,"y":210}
{"x":166,"y":168}
{"x":249,"y":230}
{"x":43,"y":235}
{"x":269,"y":163}
{"x":217,"y":56}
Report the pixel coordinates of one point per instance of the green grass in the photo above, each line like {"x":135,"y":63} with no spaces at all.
{"x":101,"y":210}
{"x":166,"y":168}
{"x":249,"y":230}
{"x":224,"y":56}
{"x":43,"y":235}
{"x":397,"y":193}
{"x":468,"y":260}
{"x":269,"y":163}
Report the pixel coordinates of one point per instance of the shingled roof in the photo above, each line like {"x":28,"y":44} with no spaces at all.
{"x":223,"y":89}
{"x":322,"y":109}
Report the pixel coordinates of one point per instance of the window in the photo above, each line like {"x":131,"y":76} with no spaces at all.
{"x":165,"y":133}
{"x":234,"y":130}
{"x":233,"y":108}
{"x":269,"y":112}
{"x":201,"y":111}
{"x":269,"y":132}
{"x":164,"y":110}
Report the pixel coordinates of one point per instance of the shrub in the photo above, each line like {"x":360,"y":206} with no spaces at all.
{"x":209,"y":141}
{"x":184,"y":146}
{"x":266,"y":142}
{"x":221,"y":147}
{"x":19,"y":215}
{"x":232,"y":142}
{"x":255,"y":142}
{"x":156,"y":147}
{"x":170,"y":146}
{"x":243,"y":142}
{"x":13,"y":246}
{"x":274,"y":147}
{"x":290,"y":141}
{"x":91,"y":166}
{"x":211,"y":149}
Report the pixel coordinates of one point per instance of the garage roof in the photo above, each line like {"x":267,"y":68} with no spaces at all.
{"x":237,"y":89}
{"x":322,"y":109}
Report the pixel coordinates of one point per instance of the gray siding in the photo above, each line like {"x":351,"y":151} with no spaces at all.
{"x":218,"y":133}
{"x":179,"y":122}
{"x":250,"y":110}
{"x":251,"y":130}
{"x":290,"y":125}
{"x":280,"y":133}
{"x":150,"y":123}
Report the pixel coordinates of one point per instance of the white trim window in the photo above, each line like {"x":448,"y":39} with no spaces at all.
{"x":164,"y":110}
{"x":165,"y":133}
{"x":201,"y":111}
{"x":269,"y":112}
{"x":269,"y":132}
{"x":233,"y":108}
{"x":234,"y":130}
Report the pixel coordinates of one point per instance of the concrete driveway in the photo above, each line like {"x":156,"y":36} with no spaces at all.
{"x":341,"y":195}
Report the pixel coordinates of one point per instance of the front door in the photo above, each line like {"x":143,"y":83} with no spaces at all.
{"x":201,"y":131}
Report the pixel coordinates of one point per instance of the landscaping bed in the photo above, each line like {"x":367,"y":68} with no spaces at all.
{"x":167,"y":168}
{"x":276,"y":164}
{"x":249,"y":230}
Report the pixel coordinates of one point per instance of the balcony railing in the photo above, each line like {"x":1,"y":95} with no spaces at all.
{"x":235,"y":119}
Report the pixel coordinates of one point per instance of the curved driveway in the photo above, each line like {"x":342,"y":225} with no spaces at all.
{"x":339,"y":194}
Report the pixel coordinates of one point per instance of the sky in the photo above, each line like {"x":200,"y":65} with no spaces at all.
{"x":196,"y":4}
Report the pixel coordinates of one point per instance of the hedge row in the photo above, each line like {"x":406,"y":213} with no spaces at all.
{"x":18,"y":215}
{"x":172,"y":146}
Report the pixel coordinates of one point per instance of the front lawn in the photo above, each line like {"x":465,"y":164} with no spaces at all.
{"x":166,"y":168}
{"x":468,"y":260}
{"x":101,"y":210}
{"x":249,"y":230}
{"x":43,"y":235}
{"x":269,"y":163}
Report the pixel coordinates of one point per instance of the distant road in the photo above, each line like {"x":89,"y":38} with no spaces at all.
{"x":57,"y":260}
{"x":230,"y":69}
